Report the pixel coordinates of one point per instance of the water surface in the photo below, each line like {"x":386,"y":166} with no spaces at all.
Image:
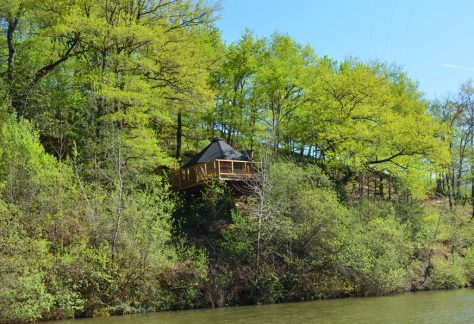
{"x":450,"y":306}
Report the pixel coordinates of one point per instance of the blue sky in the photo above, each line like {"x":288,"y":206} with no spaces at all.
{"x":433,"y":41}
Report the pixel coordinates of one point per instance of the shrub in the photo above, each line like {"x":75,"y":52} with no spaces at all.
{"x":381,"y":252}
{"x":24,"y":263}
{"x":447,"y":273}
{"x":469,"y":265}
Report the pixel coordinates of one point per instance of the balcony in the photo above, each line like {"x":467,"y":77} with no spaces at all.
{"x":227,"y":170}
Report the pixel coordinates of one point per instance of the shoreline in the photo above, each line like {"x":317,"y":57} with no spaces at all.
{"x":252,"y":306}
{"x":230,"y":310}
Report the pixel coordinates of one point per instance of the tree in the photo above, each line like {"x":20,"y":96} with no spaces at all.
{"x":457,"y":115}
{"x":372,"y":119}
{"x":280,"y":83}
{"x":235,"y":114}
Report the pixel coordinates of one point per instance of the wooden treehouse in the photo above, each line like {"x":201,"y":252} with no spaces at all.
{"x":218,"y":160}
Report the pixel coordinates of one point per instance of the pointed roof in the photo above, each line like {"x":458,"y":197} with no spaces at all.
{"x":218,"y":149}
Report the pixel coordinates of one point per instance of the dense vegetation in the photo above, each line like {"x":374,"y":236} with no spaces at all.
{"x":362,"y":189}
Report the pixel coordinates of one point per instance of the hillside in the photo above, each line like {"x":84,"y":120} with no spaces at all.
{"x":364,"y":186}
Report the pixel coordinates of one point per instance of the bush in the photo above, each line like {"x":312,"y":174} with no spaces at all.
{"x":203,"y":213}
{"x":179,"y":286}
{"x":380,"y":257}
{"x":88,"y":251}
{"x":469,"y":265}
{"x":24,"y":263}
{"x":447,"y":273}
{"x":81,"y":281}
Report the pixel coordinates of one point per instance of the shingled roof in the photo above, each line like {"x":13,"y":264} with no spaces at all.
{"x":218,"y":149}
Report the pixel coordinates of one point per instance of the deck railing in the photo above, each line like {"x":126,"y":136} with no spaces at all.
{"x":222,"y":169}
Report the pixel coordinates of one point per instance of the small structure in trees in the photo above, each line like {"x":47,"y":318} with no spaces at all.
{"x":218,"y":160}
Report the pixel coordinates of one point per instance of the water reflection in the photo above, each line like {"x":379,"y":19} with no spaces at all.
{"x":453,"y":306}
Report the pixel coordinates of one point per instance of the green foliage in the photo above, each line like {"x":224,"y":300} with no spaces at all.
{"x":238,"y":242}
{"x":24,"y":263}
{"x":381,"y":257}
{"x":365,"y":118}
{"x":235,"y":110}
{"x":180,"y":283}
{"x":66,"y":252}
{"x":81,"y":281}
{"x":373,"y":118}
{"x":101,"y":97}
{"x":322,"y":247}
{"x":447,"y":272}
{"x":26,"y":170}
{"x":216,"y":200}
{"x":315,"y":246}
{"x":469,"y":265}
{"x":202,"y":213}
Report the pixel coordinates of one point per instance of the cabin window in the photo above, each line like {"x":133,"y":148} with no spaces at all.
{"x":239,"y":167}
{"x":226,"y":166}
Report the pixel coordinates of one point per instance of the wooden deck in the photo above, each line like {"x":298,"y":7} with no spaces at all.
{"x":220,"y":169}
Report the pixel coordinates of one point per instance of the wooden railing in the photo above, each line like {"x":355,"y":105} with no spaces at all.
{"x":221,"y":169}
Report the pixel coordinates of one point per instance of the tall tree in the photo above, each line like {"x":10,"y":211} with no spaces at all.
{"x":234,"y":115}
{"x":280,"y":83}
{"x":371,"y":119}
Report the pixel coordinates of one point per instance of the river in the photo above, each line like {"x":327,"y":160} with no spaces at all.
{"x":449,"y":306}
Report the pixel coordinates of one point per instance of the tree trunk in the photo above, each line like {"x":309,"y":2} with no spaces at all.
{"x":453,"y":184}
{"x":472,"y":176}
{"x":368,"y":186}
{"x":448,"y":185}
{"x":462,"y":149}
{"x":375,"y":186}
{"x":381,"y":187}
{"x":11,"y":47}
{"x":119,"y":207}
{"x":389,"y":189}
{"x":179,"y":135}
{"x":276,"y":127}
